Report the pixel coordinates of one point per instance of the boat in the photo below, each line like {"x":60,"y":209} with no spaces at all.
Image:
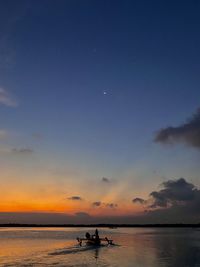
{"x":94,"y":241}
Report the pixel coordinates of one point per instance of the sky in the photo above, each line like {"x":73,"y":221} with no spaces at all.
{"x":99,"y":106}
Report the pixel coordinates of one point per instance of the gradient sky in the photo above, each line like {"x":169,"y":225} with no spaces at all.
{"x":84,"y":88}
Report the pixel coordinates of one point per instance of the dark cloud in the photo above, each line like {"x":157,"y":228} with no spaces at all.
{"x":159,"y":200}
{"x":111,"y":205}
{"x":188,"y":213}
{"x":177,"y":200}
{"x":173,"y":193}
{"x":139,"y":200}
{"x":22,"y":150}
{"x":105,"y":180}
{"x":75,"y":198}
{"x":101,"y":204}
{"x":96,"y":204}
{"x":188,"y":132}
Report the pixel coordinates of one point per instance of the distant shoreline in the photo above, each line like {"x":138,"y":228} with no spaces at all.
{"x":111,"y":226}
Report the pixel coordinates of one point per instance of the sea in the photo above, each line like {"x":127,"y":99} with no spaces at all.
{"x":132,"y":247}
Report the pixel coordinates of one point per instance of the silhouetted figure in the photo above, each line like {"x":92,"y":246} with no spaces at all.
{"x":92,"y":239}
{"x":87,"y":235}
{"x":97,"y":233}
{"x":97,"y":239}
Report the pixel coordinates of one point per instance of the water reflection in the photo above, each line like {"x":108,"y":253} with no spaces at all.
{"x":178,"y":247}
{"x":96,"y":255}
{"x":164,"y":247}
{"x":135,"y":247}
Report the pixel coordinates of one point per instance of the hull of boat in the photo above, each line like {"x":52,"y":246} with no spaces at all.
{"x":93,"y":242}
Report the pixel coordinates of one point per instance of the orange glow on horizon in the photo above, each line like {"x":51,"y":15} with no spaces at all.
{"x":68,"y":209}
{"x":50,"y":195}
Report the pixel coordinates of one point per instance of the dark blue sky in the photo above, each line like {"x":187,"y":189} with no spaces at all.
{"x":94,"y":81}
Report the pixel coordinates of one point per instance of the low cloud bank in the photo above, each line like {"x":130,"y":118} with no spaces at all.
{"x":177,"y":201}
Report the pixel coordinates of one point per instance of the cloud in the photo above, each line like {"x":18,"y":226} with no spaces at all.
{"x":105,"y":180}
{"x":16,"y":151}
{"x":22,"y":150}
{"x":188,"y":133}
{"x":139,"y":200}
{"x":177,"y":200}
{"x":6,"y":99}
{"x":111,"y":205}
{"x":96,"y":204}
{"x":101,"y":204}
{"x":180,"y":204}
{"x":174,"y":192}
{"x":75,"y":198}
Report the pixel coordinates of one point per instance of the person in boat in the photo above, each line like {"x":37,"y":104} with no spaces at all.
{"x":96,"y":234}
{"x":96,"y":237}
{"x":87,"y":235}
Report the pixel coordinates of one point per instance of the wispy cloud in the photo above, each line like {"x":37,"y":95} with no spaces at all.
{"x":105,"y":180}
{"x":22,"y":150}
{"x":75,"y":198}
{"x":188,"y":133}
{"x":7,"y":99}
{"x":16,"y":151}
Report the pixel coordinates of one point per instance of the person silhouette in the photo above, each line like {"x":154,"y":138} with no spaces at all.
{"x":96,"y":233}
{"x":87,"y":235}
{"x":97,"y":236}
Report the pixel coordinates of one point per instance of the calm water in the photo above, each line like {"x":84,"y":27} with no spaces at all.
{"x":151,"y":247}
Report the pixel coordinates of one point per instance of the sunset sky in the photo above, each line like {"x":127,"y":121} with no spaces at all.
{"x":99,"y":108}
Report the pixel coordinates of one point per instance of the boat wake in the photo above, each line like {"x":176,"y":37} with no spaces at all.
{"x":78,"y":249}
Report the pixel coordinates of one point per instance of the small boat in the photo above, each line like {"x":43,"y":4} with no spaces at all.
{"x":94,"y":242}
